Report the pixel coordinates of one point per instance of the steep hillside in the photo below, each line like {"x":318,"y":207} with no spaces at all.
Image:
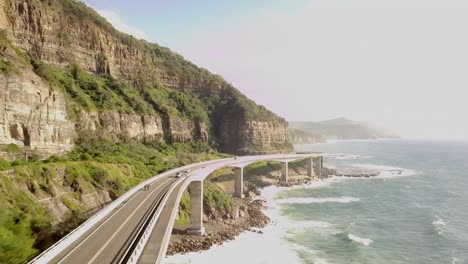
{"x":342,"y":128}
{"x":76,"y":73}
{"x":297,"y":136}
{"x":87,"y":112}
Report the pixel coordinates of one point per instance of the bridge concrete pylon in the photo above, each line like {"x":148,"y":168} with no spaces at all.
{"x":239,"y":182}
{"x":196,"y":209}
{"x":315,"y":167}
{"x":284,"y":171}
{"x":318,"y":166}
{"x":239,"y":178}
{"x":310,"y":167}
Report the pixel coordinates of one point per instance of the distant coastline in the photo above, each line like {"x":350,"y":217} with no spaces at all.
{"x":332,"y":140}
{"x":336,"y":129}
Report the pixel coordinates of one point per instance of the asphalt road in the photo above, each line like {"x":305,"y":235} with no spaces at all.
{"x":108,"y":239}
{"x":103,"y":242}
{"x":156,"y":241}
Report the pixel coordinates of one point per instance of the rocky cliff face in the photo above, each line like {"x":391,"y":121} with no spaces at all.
{"x":264,"y":137}
{"x":297,"y":136}
{"x":59,"y":195}
{"x":67,"y":32}
{"x":34,"y":116}
{"x":143,"y":127}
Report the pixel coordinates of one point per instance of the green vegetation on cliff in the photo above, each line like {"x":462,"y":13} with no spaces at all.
{"x":42,"y":200}
{"x":89,"y":92}
{"x":126,"y":75}
{"x":96,"y":165}
{"x":162,"y":59}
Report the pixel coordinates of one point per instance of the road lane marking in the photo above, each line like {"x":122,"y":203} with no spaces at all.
{"x":110,"y":217}
{"x":123,"y":224}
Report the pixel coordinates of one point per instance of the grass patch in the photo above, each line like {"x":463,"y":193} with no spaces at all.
{"x":10,"y":148}
{"x":4,"y":165}
{"x":184,"y":210}
{"x":215,"y":197}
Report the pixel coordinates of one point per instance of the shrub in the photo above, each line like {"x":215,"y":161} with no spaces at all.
{"x":4,"y":165}
{"x":19,"y":162}
{"x":214,"y":197}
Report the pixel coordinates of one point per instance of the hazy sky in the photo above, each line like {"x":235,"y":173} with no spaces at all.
{"x":402,"y":64}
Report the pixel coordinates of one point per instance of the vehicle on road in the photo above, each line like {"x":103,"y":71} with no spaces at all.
{"x":187,"y":170}
{"x":178,"y":174}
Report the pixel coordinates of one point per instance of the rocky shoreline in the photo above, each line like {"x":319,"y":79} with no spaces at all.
{"x":219,"y":231}
{"x":249,"y":214}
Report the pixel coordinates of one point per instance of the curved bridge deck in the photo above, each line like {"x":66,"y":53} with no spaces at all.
{"x":136,"y":228}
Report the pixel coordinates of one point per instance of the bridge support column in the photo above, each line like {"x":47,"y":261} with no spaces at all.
{"x":318,"y":165}
{"x":284,"y":171}
{"x":239,"y":182}
{"x":310,"y":167}
{"x":196,"y":209}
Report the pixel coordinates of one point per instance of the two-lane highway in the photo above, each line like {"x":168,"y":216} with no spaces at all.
{"x":111,"y":234}
{"x":136,"y":227}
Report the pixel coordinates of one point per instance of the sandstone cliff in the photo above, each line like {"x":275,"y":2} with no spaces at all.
{"x":297,"y":136}
{"x":64,"y":33}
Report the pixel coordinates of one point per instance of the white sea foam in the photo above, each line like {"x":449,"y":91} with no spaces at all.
{"x":271,"y":246}
{"x":347,"y":156}
{"x":364,"y":241}
{"x":439,"y":225}
{"x":249,"y":247}
{"x":388,"y":171}
{"x":319,"y":261}
{"x":311,"y":254}
{"x":310,"y":200}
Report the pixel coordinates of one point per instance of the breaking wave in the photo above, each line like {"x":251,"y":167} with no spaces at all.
{"x":364,"y":241}
{"x":311,"y":200}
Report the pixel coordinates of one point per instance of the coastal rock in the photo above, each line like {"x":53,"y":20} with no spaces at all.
{"x":226,"y":229}
{"x":357,"y":172}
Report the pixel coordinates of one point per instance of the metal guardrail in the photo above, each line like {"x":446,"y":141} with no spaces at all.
{"x":62,"y":244}
{"x":142,"y":230}
{"x":135,"y":255}
{"x":59,"y":246}
{"x":167,"y":236}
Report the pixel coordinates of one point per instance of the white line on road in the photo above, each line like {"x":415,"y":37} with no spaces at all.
{"x":123,"y":224}
{"x":84,"y":240}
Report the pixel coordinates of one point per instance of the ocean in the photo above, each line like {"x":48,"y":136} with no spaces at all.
{"x":415,"y":211}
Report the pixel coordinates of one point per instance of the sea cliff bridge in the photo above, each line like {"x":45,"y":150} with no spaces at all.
{"x":136,"y":227}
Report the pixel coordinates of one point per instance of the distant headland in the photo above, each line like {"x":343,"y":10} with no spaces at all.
{"x":338,"y":128}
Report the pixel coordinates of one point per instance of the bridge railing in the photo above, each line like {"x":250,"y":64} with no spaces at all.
{"x":149,"y":229}
{"x":62,"y":244}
